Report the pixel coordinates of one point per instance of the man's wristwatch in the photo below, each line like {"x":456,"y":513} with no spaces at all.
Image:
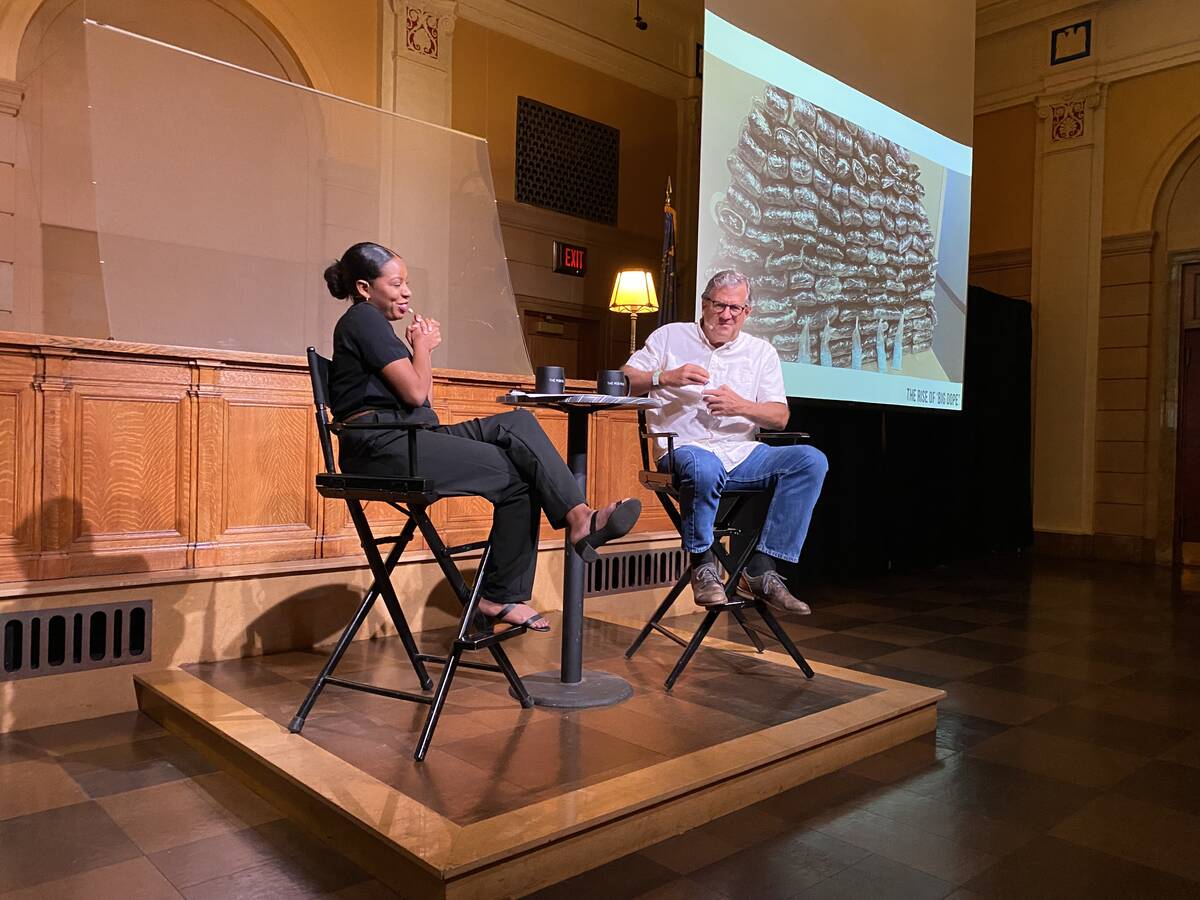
{"x":654,"y":377}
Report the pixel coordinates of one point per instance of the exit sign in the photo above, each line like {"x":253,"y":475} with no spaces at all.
{"x":570,"y":259}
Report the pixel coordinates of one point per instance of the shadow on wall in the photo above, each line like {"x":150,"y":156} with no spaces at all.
{"x":316,"y":617}
{"x":302,"y":621}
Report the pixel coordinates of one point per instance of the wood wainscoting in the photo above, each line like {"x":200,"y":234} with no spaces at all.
{"x":118,"y":457}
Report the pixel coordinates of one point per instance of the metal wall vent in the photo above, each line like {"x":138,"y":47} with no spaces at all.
{"x":567,"y":163}
{"x":56,"y":641}
{"x":636,"y":570}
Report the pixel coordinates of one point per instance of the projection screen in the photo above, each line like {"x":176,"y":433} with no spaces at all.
{"x":850,"y":219}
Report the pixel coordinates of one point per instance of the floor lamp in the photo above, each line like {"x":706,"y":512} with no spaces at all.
{"x":633,"y":293}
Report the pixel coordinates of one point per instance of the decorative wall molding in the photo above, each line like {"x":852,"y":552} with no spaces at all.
{"x":423,"y":30}
{"x":994,"y":16}
{"x":1069,"y":117}
{"x":1120,"y":244}
{"x":1067,"y":120}
{"x":525,"y":24}
{"x":12,"y":94}
{"x":1171,"y":159}
{"x":998,"y":260}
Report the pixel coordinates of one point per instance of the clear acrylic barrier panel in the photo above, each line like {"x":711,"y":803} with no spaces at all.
{"x":222,"y":195}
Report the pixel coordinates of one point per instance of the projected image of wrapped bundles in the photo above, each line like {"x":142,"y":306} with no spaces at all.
{"x":827,"y":220}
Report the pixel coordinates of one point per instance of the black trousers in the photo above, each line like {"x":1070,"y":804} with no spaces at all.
{"x":506,"y":459}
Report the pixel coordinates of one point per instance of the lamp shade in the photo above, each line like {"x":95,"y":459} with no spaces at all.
{"x":633,"y":292}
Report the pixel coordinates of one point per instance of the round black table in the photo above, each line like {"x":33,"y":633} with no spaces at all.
{"x":571,"y":687}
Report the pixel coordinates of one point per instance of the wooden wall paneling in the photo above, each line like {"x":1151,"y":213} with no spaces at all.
{"x":55,"y":498}
{"x":337,"y":537}
{"x":18,"y":531}
{"x":269,"y":507}
{"x":614,"y":465}
{"x":209,"y":429}
{"x":130,"y":472}
{"x":554,"y":423}
{"x":119,"y":457}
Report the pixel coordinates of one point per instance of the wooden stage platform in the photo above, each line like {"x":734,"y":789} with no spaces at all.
{"x":510,"y":800}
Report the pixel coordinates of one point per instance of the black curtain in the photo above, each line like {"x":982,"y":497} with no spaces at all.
{"x":912,"y":488}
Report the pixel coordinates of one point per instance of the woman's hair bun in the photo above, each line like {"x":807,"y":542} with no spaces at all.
{"x":336,"y":282}
{"x":361,"y":262}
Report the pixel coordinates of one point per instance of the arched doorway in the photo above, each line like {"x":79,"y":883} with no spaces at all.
{"x":1177,"y":275}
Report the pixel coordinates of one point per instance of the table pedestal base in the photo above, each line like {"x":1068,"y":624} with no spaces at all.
{"x":596,"y":689}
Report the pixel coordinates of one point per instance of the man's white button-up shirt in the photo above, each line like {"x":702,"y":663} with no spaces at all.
{"x":749,"y":365}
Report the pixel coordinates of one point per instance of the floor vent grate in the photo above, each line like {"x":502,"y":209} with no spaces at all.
{"x":635,"y":570}
{"x":78,"y":638}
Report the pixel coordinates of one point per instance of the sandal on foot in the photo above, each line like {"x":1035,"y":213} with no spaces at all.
{"x":624,"y":516}
{"x":537,"y":617}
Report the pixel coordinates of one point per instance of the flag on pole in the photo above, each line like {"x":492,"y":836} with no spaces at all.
{"x":668,"y":280}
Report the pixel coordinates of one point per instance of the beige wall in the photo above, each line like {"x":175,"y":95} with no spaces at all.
{"x":1002,"y":179}
{"x":1151,"y":119}
{"x":345,"y":40}
{"x":491,"y":70}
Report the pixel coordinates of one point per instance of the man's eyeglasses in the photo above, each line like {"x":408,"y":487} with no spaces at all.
{"x":735,"y":309}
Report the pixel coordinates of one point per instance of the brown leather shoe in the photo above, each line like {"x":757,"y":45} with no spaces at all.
{"x":707,"y":587}
{"x":769,"y":586}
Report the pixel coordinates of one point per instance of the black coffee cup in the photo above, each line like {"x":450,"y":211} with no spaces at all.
{"x":550,"y":380}
{"x":612,"y":383}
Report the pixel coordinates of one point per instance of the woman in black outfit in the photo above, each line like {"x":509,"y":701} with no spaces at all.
{"x":506,"y":458}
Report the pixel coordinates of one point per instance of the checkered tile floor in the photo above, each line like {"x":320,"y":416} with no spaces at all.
{"x":1066,"y":764}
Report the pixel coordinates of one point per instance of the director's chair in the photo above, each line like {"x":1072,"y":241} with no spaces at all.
{"x":665,"y":488}
{"x":412,"y":495}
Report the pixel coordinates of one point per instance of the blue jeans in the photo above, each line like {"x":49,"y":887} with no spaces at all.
{"x":796,"y":472}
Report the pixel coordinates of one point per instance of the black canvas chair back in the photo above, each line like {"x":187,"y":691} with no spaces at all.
{"x":411,"y":494}
{"x":318,"y":374}
{"x":728,"y":524}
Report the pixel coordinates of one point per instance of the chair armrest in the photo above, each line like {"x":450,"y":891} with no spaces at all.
{"x":336,"y":427}
{"x":670,"y":436}
{"x":783,"y":437}
{"x":411,"y":427}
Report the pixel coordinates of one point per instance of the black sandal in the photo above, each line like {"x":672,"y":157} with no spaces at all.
{"x":624,"y":516}
{"x":498,"y":619}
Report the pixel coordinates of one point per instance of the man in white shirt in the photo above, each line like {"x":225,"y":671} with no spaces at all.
{"x":718,"y":387}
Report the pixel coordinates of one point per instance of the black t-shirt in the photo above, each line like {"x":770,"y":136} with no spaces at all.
{"x":363,"y":343}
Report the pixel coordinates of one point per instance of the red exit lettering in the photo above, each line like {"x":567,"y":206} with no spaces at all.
{"x":570,"y":259}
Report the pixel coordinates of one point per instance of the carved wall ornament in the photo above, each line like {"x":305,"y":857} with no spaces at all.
{"x":421,"y":31}
{"x":1067,"y":120}
{"x":1071,"y":117}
